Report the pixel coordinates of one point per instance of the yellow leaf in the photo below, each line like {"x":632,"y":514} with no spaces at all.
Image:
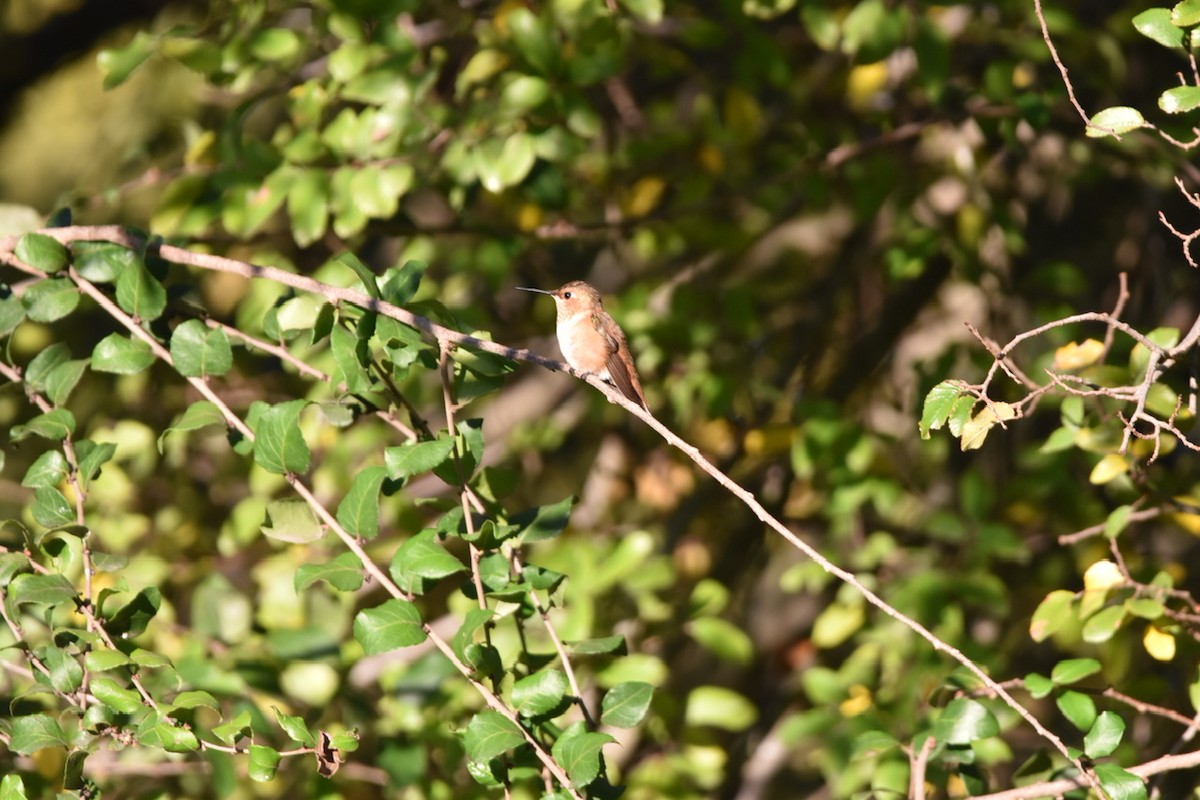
{"x":529,"y":217}
{"x":711,"y":159}
{"x":864,"y":82}
{"x":857,"y":703}
{"x":975,"y":430}
{"x":1189,"y":522}
{"x":1077,"y":355}
{"x":644,"y":196}
{"x":1159,"y":644}
{"x":1107,"y":468}
{"x":1102,"y":576}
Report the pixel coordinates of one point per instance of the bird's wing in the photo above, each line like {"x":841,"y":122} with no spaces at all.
{"x":623,"y":376}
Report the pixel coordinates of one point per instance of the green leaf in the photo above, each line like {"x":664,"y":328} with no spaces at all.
{"x":1119,"y":783}
{"x":1186,"y":13}
{"x":12,"y":788}
{"x":198,"y":415}
{"x":399,"y":285}
{"x":490,"y":734}
{"x":160,"y":733}
{"x":964,"y":721}
{"x":263,"y":763}
{"x":46,"y":471}
{"x":625,"y":705}
{"x":279,"y":447}
{"x":121,"y":355}
{"x":470,"y":453}
{"x":54,"y":425}
{"x":63,"y":379}
{"x":720,"y":707}
{"x":291,"y":519}
{"x":351,"y":354}
{"x":66,"y":675}
{"x":125,"y":701}
{"x":195,"y":699}
{"x":92,"y":456}
{"x":275,"y":44}
{"x":465,"y":635}
{"x":35,"y":732}
{"x":1118,"y":119}
{"x":199,"y":350}
{"x":870,"y":744}
{"x":50,"y":300}
{"x":103,"y":262}
{"x":648,"y":11}
{"x":234,"y":730}
{"x":1101,"y":626}
{"x":344,"y":573}
{"x":501,"y":163}
{"x":1105,"y":735}
{"x":421,"y":558}
{"x":1039,"y":686}
{"x":606,"y":645}
{"x":1052,"y":613}
{"x":579,"y":755}
{"x":1117,"y":521}
{"x":42,"y":252}
{"x":139,"y":293}
{"x":359,"y":510}
{"x":43,"y":363}
{"x":1074,"y":670}
{"x":938,"y":405}
{"x":308,"y":206}
{"x":35,"y":589}
{"x":1179,"y":99}
{"x":1145,"y":607}
{"x":11,"y":565}
{"x":1155,"y":24}
{"x":369,"y":281}
{"x":544,"y":522}
{"x":104,"y":660}
{"x":295,"y":728}
{"x":12,"y":312}
{"x":724,"y":639}
{"x":1078,"y":708}
{"x":541,"y":693}
{"x":394,"y":624}
{"x":415,"y":459}
{"x":134,"y":617}
{"x":116,"y":65}
{"x":51,"y":509}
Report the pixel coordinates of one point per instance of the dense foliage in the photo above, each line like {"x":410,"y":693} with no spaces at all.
{"x":290,"y":509}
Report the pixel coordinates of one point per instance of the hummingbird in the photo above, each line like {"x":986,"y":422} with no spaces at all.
{"x":590,"y":339}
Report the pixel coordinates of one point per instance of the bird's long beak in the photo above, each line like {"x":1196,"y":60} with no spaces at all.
{"x":539,"y":291}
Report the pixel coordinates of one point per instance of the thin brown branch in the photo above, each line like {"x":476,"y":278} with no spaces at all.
{"x":1059,"y":787}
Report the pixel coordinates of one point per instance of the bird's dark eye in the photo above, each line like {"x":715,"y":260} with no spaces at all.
{"x":567,"y":295}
